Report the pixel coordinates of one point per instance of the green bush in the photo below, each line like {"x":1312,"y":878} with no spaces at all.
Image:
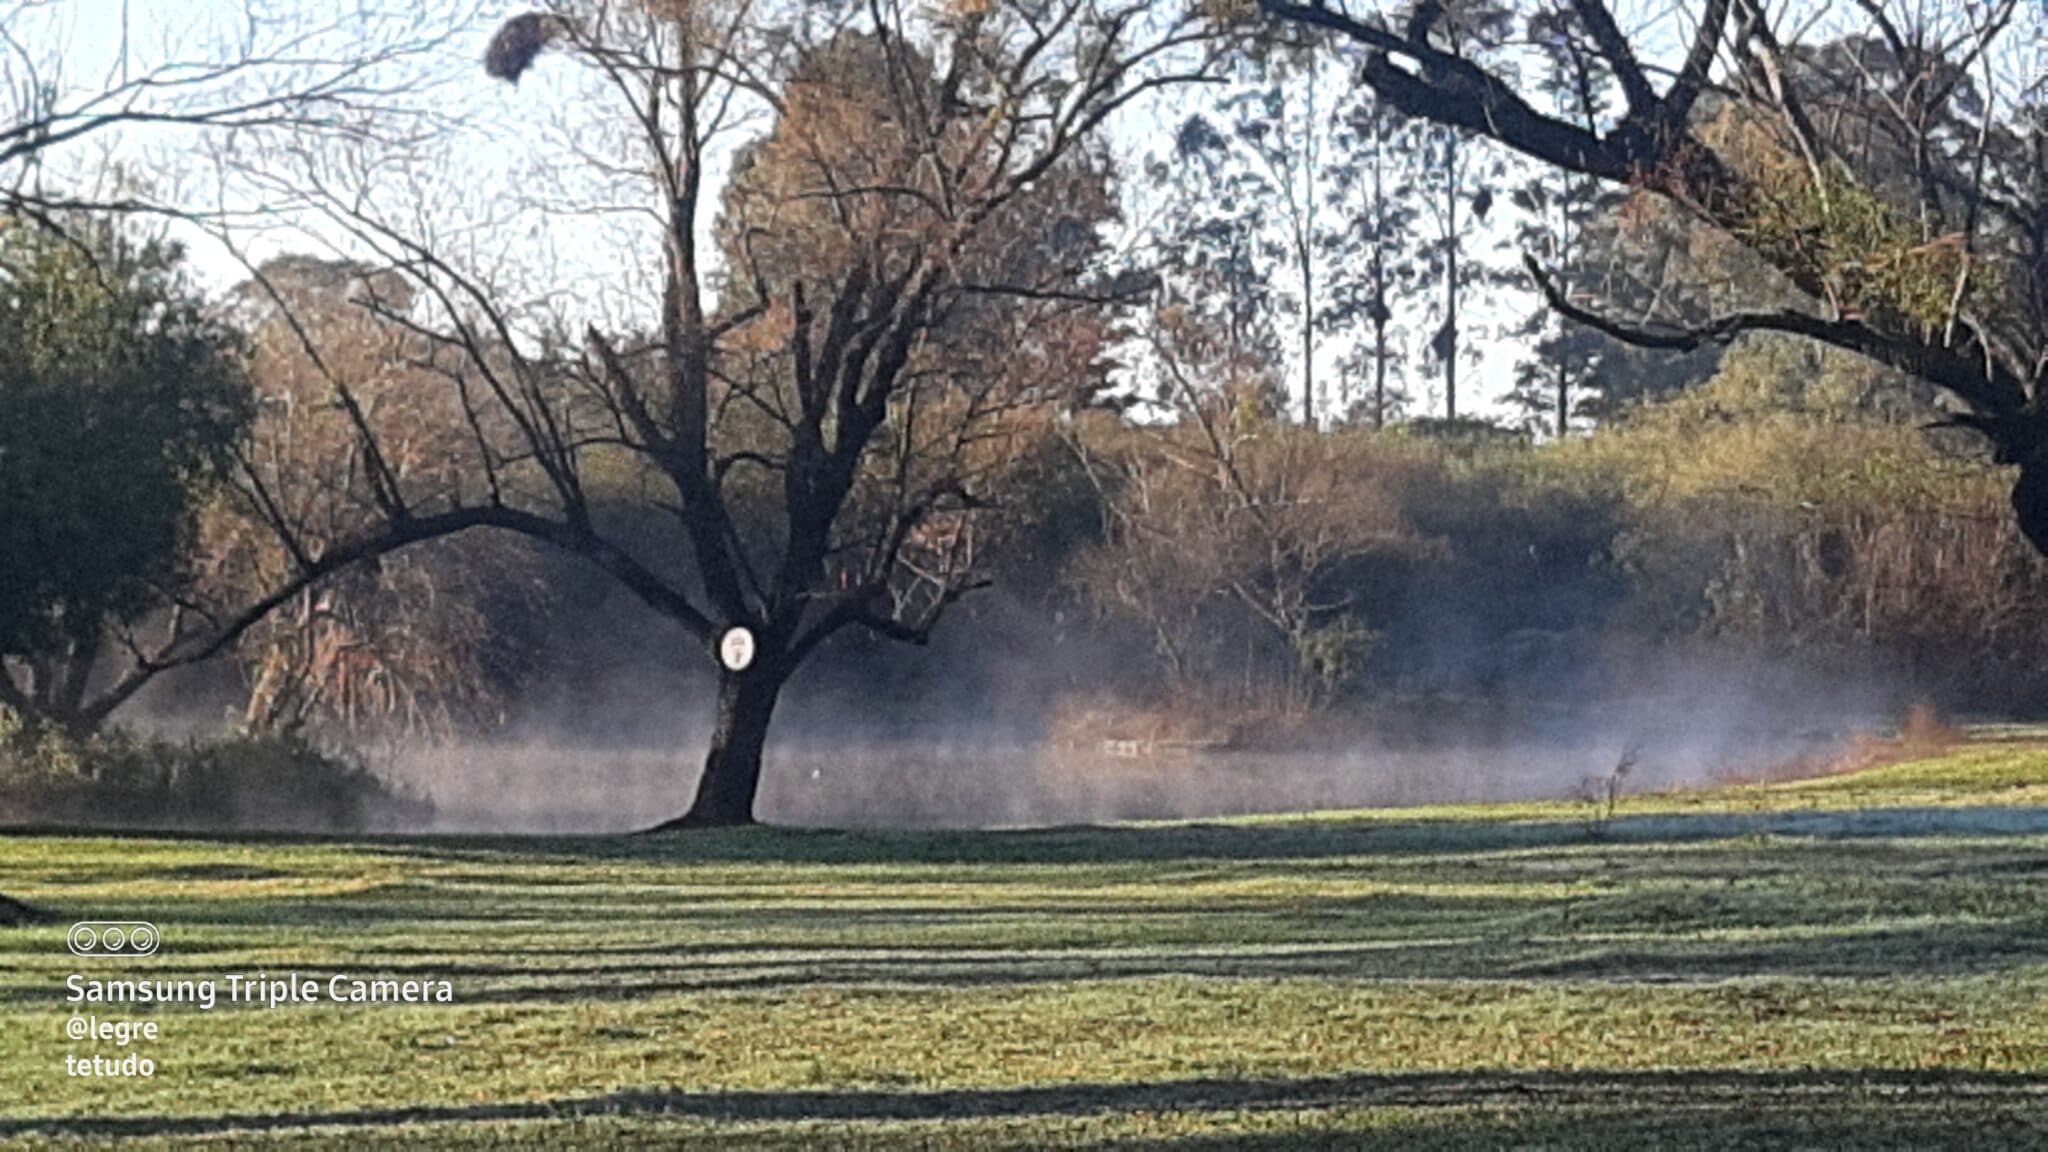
{"x":240,"y":783}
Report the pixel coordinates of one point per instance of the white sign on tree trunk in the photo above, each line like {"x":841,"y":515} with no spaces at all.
{"x":736,"y":649}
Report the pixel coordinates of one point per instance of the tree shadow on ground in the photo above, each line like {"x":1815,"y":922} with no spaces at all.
{"x":1808,"y":1105}
{"x":1278,"y":840}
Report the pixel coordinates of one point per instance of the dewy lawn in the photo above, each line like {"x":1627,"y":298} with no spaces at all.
{"x":1852,"y":961}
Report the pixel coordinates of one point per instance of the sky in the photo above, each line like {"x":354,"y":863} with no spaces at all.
{"x":506,"y":168}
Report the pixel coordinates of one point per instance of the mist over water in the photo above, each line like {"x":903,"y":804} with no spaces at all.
{"x":834,"y":771}
{"x":520,"y":789}
{"x":965,"y":735}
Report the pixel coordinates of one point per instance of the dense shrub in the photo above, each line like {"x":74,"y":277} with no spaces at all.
{"x":119,"y":779}
{"x":1253,"y":551}
{"x":1794,"y":512}
{"x":1796,"y":507}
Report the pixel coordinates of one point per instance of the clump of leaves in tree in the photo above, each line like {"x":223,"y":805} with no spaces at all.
{"x":1823,"y":220}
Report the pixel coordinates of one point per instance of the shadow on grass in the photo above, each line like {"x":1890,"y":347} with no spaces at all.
{"x":15,"y":914}
{"x":1729,"y":1095}
{"x":1467,"y":938}
{"x":1934,"y":950}
{"x":1941,"y":949}
{"x":1803,"y":910}
{"x":1307,"y":839}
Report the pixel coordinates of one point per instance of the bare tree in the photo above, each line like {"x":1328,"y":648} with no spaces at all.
{"x":1889,"y":173}
{"x":1230,"y":516}
{"x":822,"y":405}
{"x":417,"y":642}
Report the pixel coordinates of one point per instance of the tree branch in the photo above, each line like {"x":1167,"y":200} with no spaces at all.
{"x":2000,"y":396}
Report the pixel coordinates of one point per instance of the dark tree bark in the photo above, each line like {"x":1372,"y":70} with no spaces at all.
{"x":732,"y":768}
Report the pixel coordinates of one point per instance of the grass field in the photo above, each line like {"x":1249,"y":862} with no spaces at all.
{"x":1848,"y":962}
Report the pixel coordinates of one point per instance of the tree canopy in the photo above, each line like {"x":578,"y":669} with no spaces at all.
{"x":122,"y":400}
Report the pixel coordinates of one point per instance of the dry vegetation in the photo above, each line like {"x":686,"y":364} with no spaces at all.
{"x":1924,"y":734}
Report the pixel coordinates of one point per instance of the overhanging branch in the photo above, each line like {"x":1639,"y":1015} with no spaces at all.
{"x":1997,"y":396}
{"x":568,"y":536}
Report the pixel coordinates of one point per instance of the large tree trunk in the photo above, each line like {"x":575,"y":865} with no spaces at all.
{"x":732,"y":769}
{"x":2030,"y":501}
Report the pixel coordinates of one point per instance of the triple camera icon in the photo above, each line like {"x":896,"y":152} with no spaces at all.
{"x":113,"y":939}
